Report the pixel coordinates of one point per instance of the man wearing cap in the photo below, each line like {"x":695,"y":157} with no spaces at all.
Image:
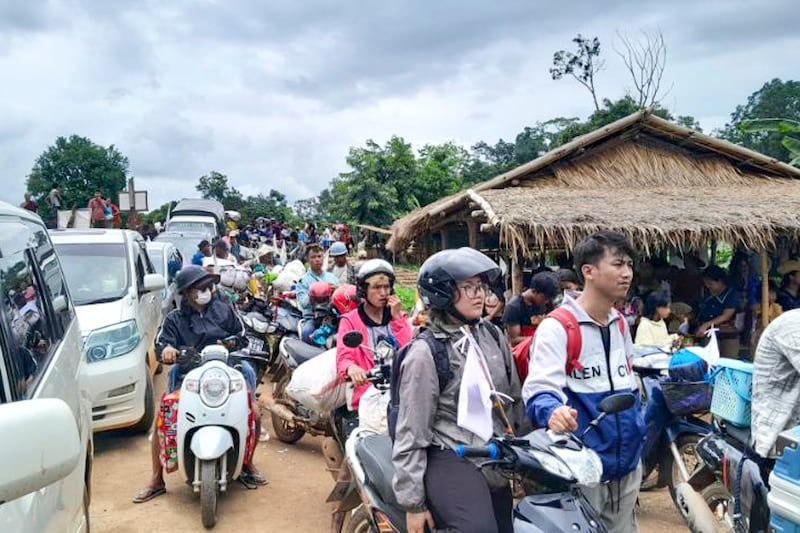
{"x":203,"y":251}
{"x":203,"y":319}
{"x":789,"y":295}
{"x":524,"y":312}
{"x":315,"y":256}
{"x":341,"y":268}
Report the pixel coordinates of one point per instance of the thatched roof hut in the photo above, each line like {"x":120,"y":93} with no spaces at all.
{"x":659,"y":183}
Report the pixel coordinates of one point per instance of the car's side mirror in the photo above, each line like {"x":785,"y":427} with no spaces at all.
{"x":153,"y":282}
{"x":43,"y":445}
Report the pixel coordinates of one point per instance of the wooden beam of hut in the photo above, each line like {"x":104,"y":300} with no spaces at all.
{"x":487,"y":208}
{"x":478,"y":213}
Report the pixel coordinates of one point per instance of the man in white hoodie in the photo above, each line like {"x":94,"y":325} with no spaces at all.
{"x":562,"y":392}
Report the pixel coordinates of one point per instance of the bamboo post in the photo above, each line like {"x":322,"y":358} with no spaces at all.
{"x":472,"y":230}
{"x":516,"y":272}
{"x":764,"y":289}
{"x":443,"y":234}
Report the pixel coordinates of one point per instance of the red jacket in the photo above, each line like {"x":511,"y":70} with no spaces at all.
{"x":346,"y":356}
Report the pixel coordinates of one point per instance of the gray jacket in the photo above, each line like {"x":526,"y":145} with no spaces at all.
{"x":428,"y":417}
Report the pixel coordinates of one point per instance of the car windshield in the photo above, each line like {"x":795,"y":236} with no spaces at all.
{"x":96,"y":272}
{"x":157,"y":258}
{"x":186,"y":245}
{"x":191,"y":226}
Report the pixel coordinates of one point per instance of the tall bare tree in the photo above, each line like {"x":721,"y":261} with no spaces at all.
{"x":645,"y":58}
{"x":581,"y":65}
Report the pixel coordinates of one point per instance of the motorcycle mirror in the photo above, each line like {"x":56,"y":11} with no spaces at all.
{"x":352,"y":339}
{"x":617,"y":402}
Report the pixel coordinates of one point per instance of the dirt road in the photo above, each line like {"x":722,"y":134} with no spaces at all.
{"x":294,"y":501}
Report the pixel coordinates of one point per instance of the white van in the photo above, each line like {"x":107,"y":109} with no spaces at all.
{"x":117,"y":295}
{"x":45,"y":408}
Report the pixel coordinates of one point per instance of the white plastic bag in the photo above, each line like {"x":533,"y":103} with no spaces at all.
{"x":289,"y":276}
{"x":235,"y":278}
{"x":372,"y":410}
{"x":316,"y":385}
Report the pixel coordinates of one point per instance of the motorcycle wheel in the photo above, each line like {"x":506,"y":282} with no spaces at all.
{"x":286,"y":431}
{"x":686,"y":448}
{"x":694,"y":510}
{"x":720,"y":501}
{"x":208,"y":493}
{"x":360,"y":522}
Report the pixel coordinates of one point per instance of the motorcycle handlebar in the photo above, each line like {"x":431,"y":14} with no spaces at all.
{"x":490,"y":451}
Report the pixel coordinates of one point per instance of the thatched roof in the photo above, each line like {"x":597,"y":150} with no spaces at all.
{"x":659,"y":183}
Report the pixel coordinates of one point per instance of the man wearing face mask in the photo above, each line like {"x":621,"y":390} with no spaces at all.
{"x":202,"y":319}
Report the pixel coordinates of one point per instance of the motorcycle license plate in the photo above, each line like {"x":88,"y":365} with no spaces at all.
{"x":255,"y":344}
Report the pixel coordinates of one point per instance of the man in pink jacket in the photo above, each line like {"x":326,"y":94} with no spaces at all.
{"x":379,"y":314}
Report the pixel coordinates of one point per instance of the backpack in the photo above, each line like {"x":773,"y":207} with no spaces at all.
{"x":441,"y":360}
{"x":574,"y":340}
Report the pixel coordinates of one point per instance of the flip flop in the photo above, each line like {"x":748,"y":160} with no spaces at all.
{"x":148,"y":493}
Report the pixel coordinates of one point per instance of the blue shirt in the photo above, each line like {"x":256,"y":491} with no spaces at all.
{"x":714,"y":306}
{"x":197,"y":258}
{"x":305,"y":283}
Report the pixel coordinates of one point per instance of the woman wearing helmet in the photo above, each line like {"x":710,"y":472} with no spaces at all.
{"x":379,"y":314}
{"x":431,"y":483}
{"x":341,"y":268}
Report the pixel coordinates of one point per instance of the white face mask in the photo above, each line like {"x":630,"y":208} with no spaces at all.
{"x":203,"y":297}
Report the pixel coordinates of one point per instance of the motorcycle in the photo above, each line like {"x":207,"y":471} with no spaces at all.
{"x":551,"y":466}
{"x":290,"y":419}
{"x":286,"y":318}
{"x":732,"y":479}
{"x":669,"y":453}
{"x":215,"y":423}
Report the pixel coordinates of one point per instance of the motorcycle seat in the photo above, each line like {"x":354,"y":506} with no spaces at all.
{"x":741,"y":435}
{"x":375,"y":454}
{"x":300,"y":351}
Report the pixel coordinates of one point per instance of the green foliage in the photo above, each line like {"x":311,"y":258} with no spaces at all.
{"x":775,"y":99}
{"x":782,"y":126}
{"x":214,"y":186}
{"x":407,"y":295}
{"x":79,"y":166}
{"x":160,"y":214}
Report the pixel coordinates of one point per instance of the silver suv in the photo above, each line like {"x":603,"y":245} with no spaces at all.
{"x":45,"y":408}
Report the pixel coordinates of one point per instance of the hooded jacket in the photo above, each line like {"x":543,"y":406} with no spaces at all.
{"x":428,"y":416}
{"x":606,"y":370}
{"x":346,"y":356}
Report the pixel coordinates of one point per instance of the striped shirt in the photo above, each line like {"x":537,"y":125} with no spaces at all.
{"x":776,"y":382}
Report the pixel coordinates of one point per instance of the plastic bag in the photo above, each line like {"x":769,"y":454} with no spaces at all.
{"x":372,"y":410}
{"x":167,"y":430}
{"x":235,"y":278}
{"x":317,"y":385}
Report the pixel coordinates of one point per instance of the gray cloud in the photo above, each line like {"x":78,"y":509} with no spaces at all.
{"x":273,"y":93}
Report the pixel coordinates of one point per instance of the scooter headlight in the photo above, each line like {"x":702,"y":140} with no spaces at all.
{"x":552,"y":464}
{"x":584,"y":464}
{"x":215,"y":387}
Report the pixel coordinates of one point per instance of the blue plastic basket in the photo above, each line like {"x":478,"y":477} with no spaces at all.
{"x":732,"y":381}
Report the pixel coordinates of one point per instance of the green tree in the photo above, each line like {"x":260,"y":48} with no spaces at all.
{"x":790,"y":129}
{"x":271,"y":205}
{"x":582,"y":65}
{"x":776,"y":98}
{"x":378,"y":189}
{"x":214,"y":186}
{"x":307,"y":208}
{"x":78,"y":166}
{"x":440,"y":172}
{"x":160,"y":214}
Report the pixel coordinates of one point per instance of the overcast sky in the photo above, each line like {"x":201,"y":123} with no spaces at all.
{"x":272,"y":93}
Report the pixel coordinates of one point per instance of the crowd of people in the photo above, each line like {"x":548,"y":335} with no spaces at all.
{"x":523,"y":339}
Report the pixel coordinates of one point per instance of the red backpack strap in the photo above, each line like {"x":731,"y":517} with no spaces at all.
{"x":574,"y":341}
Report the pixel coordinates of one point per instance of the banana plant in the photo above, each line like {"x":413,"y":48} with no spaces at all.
{"x":783,"y":126}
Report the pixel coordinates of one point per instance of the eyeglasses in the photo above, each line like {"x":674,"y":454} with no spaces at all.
{"x":472,"y":290}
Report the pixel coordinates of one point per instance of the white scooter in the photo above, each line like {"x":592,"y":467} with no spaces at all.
{"x":212,"y":424}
